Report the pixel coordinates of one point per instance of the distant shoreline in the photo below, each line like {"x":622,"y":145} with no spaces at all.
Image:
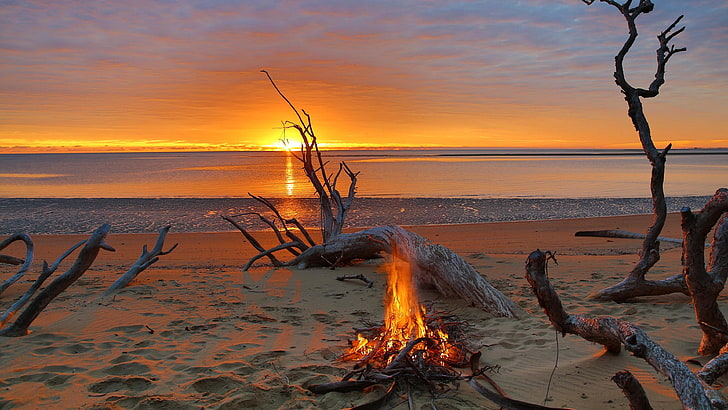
{"x":147,"y":215}
{"x":481,"y":151}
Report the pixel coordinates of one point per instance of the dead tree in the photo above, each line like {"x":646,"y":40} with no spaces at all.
{"x":635,"y":283}
{"x":146,"y":259}
{"x":85,"y":258}
{"x":706,"y":284}
{"x":614,"y":333}
{"x":332,"y":205}
{"x":438,"y":266}
{"x":25,"y":264}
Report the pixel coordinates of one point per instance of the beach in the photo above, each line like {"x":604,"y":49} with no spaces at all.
{"x":146,"y":215}
{"x":194,"y":331}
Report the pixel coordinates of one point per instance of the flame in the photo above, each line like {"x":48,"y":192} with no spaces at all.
{"x":403,"y":318}
{"x":404,"y":321}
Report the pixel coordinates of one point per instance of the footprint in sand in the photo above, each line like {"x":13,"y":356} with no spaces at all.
{"x":76,"y":348}
{"x":129,"y":368}
{"x":221,"y":385}
{"x":50,"y":375}
{"x":115,"y":384}
{"x":264,"y":358}
{"x":326,"y":318}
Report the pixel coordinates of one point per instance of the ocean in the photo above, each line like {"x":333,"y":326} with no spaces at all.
{"x":140,"y":192}
{"x":447,"y":173}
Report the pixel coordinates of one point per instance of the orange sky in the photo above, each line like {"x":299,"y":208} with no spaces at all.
{"x":141,"y":74}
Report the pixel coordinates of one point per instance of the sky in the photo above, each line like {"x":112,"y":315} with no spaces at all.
{"x":169,"y":75}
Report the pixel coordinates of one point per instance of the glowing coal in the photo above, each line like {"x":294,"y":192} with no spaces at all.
{"x":409,"y":332}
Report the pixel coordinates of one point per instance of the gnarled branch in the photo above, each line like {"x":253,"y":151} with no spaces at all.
{"x":706,"y":284}
{"x":611,"y":333}
{"x":85,"y":258}
{"x":635,"y":284}
{"x":25,"y":264}
{"x":145,"y":260}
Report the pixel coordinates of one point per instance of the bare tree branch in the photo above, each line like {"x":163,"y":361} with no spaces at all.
{"x":635,"y":283}
{"x":146,"y":259}
{"x":706,"y":284}
{"x":85,"y":258}
{"x":611,"y":333}
{"x":25,"y":264}
{"x":45,"y":274}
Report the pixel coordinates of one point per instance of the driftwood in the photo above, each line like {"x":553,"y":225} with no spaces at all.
{"x":15,"y":261}
{"x":635,"y":283}
{"x":146,"y":259}
{"x":622,"y":234}
{"x":433,"y":264}
{"x":360,"y":277}
{"x":613,"y":333}
{"x":333,"y":206}
{"x":706,"y":284}
{"x":45,"y":274}
{"x":715,"y":367}
{"x":633,"y":390}
{"x":85,"y":258}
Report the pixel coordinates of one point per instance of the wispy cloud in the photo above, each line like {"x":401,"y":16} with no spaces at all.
{"x":421,"y":72}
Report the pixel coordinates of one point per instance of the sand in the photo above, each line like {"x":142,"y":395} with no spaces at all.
{"x":193,"y":331}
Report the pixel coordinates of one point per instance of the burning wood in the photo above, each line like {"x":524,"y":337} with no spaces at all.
{"x":414,"y":343}
{"x":408,"y":330}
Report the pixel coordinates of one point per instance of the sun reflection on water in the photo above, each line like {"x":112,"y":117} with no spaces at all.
{"x":290,"y":180}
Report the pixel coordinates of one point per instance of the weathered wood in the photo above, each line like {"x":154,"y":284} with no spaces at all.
{"x":433,"y":264}
{"x":145,"y":260}
{"x":633,"y":390}
{"x":635,"y":284}
{"x":611,"y":332}
{"x":507,"y":402}
{"x":706,"y":284}
{"x":85,"y":258}
{"x":8,"y":259}
{"x":46,"y":272}
{"x":11,"y":260}
{"x":622,"y":234}
{"x":333,"y":206}
{"x":716,"y":367}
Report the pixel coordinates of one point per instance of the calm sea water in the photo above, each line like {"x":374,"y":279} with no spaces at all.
{"x":451,"y":173}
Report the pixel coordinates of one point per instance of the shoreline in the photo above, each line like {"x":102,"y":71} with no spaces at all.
{"x":38,"y":216}
{"x":194,"y":331}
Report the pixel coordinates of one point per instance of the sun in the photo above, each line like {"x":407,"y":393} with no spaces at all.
{"x":280,"y":144}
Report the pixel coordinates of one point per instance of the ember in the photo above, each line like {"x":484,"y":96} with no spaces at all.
{"x":409,"y":330}
{"x":415,"y":347}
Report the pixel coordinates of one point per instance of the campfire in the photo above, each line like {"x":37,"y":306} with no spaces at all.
{"x":416,"y":346}
{"x":410,"y":335}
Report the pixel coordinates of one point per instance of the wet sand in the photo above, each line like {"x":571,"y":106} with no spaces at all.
{"x":144,"y":215}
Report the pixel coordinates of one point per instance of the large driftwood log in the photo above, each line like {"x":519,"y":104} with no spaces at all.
{"x":433,"y":264}
{"x":146,"y":259}
{"x":85,"y":258}
{"x":613,"y":333}
{"x":15,"y":261}
{"x":706,"y":284}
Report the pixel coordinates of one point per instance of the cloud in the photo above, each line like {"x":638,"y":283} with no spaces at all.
{"x":191,"y":69}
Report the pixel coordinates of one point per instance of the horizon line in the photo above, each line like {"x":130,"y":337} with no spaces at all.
{"x":550,"y":150}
